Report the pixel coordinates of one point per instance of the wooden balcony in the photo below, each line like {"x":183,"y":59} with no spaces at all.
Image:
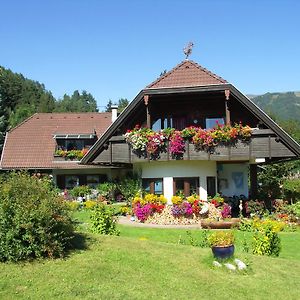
{"x":263,"y":144}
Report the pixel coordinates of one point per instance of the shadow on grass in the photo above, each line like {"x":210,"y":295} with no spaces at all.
{"x":79,"y":242}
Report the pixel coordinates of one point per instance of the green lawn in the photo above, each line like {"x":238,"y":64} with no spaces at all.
{"x":145,"y":263}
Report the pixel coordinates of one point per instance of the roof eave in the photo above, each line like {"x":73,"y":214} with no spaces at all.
{"x":184,"y":89}
{"x":110,"y":130}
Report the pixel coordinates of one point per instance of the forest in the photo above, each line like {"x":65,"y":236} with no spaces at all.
{"x":21,"y":97}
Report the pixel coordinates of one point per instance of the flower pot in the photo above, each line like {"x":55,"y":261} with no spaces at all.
{"x":223,"y":252}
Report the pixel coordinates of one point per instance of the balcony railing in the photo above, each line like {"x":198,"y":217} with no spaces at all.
{"x":262,"y":144}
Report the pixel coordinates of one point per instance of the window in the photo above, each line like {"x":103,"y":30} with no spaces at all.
{"x":74,"y":144}
{"x":212,"y":122}
{"x":211,"y":186}
{"x":177,"y":122}
{"x":162,"y":123}
{"x":186,"y":186}
{"x":71,"y":181}
{"x":153,"y":186}
{"x":92,"y":180}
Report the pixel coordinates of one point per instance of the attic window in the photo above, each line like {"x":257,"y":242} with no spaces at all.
{"x":74,"y":136}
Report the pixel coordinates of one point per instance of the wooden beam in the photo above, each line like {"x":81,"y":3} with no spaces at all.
{"x":253,"y":181}
{"x":270,"y":147}
{"x":227,"y":111}
{"x":129,"y":153}
{"x":110,"y":152}
{"x":146,"y":101}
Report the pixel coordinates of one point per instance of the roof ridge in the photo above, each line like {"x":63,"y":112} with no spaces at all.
{"x":191,"y":63}
{"x":50,"y":113}
{"x":73,"y":112}
{"x":165,"y":75}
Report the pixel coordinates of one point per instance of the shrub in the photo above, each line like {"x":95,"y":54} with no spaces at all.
{"x":89,"y":204}
{"x":291,"y":189}
{"x":266,"y":241}
{"x":34,"y":220}
{"x":73,"y":205}
{"x":256,"y":224}
{"x":125,"y":210}
{"x":294,"y":210}
{"x":103,"y":220}
{"x":80,"y":191}
{"x":130,"y":188}
{"x":107,"y":190}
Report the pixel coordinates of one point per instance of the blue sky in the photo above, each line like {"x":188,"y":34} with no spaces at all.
{"x":113,"y":48}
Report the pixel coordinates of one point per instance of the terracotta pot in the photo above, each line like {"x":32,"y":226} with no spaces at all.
{"x":223,"y":252}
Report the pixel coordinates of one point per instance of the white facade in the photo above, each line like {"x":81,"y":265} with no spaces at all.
{"x":180,"y":169}
{"x":233,"y":179}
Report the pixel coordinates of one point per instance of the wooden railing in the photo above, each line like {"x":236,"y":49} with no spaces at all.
{"x":263,"y":144}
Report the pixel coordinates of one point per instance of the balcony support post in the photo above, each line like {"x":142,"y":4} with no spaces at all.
{"x":253,"y":181}
{"x":227,"y":111}
{"x":146,"y":101}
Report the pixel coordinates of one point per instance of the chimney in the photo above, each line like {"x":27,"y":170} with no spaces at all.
{"x":114,"y":113}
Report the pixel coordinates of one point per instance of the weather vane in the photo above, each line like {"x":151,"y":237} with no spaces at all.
{"x":188,"y":49}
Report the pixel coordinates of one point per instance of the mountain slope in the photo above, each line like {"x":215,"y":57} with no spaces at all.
{"x":282,"y":105}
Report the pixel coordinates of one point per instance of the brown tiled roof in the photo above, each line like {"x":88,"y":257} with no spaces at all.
{"x":31,"y":144}
{"x":187,"y":73}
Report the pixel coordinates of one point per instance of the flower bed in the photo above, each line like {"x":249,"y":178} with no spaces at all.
{"x":149,"y":144}
{"x":190,"y":210}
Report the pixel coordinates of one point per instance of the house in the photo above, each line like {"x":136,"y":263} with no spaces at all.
{"x":53,"y":143}
{"x":88,"y":148}
{"x":190,"y":95}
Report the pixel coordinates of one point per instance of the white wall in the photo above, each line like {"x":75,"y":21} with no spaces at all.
{"x":171,"y":169}
{"x":233,"y":179}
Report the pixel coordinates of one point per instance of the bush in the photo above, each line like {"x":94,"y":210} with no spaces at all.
{"x":266,"y":241}
{"x":291,"y":189}
{"x":89,"y":204}
{"x":73,"y":205}
{"x":107,"y":190}
{"x":80,"y":191}
{"x":103,"y":220}
{"x":34,"y":220}
{"x":294,"y":210}
{"x":256,"y":224}
{"x":130,"y":187}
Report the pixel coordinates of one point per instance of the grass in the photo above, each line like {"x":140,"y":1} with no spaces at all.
{"x":147,"y":263}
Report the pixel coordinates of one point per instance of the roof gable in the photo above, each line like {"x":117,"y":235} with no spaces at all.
{"x":130,"y":110}
{"x":187,"y":73}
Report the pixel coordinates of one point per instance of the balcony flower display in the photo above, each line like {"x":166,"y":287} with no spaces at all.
{"x":145,"y":141}
{"x":149,"y":144}
{"x":71,"y":154}
{"x":176,"y":145}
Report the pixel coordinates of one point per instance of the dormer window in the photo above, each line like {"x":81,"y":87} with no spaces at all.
{"x":74,"y":141}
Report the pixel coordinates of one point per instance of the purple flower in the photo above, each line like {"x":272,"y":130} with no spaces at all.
{"x":226,"y":211}
{"x":143,"y":212}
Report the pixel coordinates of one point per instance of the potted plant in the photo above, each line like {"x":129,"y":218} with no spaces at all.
{"x":222,"y":243}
